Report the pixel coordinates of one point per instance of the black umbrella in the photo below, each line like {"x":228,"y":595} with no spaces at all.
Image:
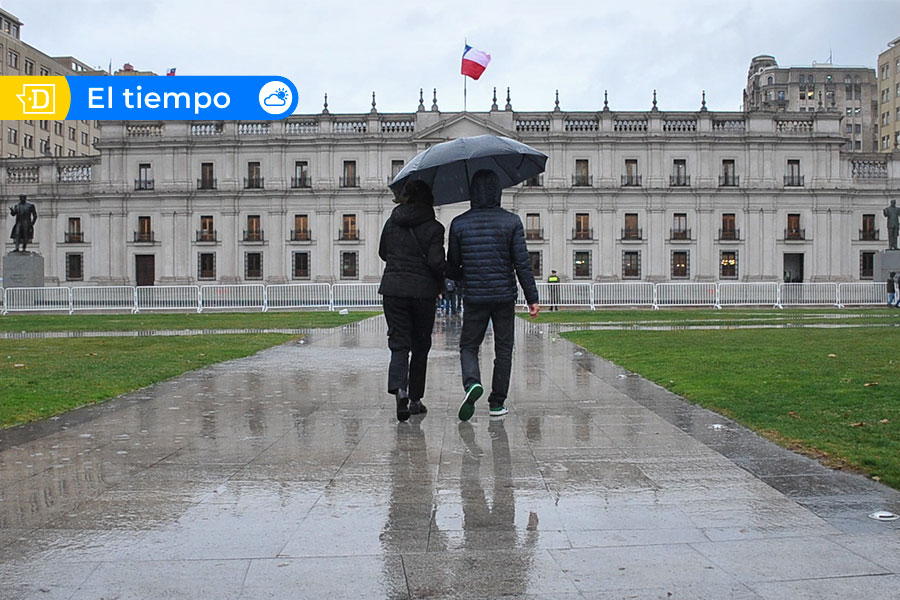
{"x":448,"y":167}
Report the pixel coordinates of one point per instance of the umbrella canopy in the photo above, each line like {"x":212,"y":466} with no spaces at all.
{"x":448,"y":167}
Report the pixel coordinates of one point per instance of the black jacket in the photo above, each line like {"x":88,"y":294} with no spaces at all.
{"x":487,"y":251}
{"x":407,"y":273}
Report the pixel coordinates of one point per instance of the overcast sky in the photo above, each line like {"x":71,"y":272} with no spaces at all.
{"x":350,"y":48}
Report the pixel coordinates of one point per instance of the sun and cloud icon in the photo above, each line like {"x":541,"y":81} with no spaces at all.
{"x":279,"y":98}
{"x":275,"y":98}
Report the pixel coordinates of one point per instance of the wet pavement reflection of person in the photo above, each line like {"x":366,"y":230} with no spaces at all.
{"x":497,"y":519}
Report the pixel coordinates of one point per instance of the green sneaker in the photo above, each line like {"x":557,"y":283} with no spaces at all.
{"x":499,"y":411}
{"x":467,"y":408}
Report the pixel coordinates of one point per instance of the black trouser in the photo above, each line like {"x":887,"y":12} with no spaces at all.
{"x":475,"y":321}
{"x":410,"y":321}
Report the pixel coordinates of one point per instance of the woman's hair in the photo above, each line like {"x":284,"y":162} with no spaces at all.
{"x":416,"y":192}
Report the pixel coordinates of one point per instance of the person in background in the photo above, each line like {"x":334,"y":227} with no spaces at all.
{"x":554,"y":291}
{"x":412,"y":246}
{"x":891,"y":290}
{"x":451,"y":299}
{"x":487,"y":250}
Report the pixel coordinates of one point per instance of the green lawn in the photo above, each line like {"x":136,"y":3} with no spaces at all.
{"x":145,"y":321}
{"x":782,"y":383}
{"x":44,"y":377}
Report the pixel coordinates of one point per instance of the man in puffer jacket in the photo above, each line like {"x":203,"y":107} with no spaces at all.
{"x":487,"y":252}
{"x":412,"y":245}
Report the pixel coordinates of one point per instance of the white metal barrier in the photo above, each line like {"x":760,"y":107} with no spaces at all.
{"x":564,"y":294}
{"x":233,"y":296}
{"x":687,"y":294}
{"x":355,"y":295}
{"x":623,"y":294}
{"x":168,"y":297}
{"x":748,"y":294}
{"x":120,"y":297}
{"x":298,"y":295}
{"x":807,"y":294}
{"x":862,"y":293}
{"x":37,"y":299}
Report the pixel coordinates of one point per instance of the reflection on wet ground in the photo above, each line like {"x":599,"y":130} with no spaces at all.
{"x":286,"y":475}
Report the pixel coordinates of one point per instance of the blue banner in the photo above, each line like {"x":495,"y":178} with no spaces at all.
{"x":163,"y":98}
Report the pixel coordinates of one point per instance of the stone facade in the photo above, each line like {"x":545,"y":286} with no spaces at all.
{"x":32,"y":138}
{"x":889,"y":97}
{"x":644,"y":196}
{"x":851,"y":91}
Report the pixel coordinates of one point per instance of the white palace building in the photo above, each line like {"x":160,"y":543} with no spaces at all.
{"x":649,"y":196}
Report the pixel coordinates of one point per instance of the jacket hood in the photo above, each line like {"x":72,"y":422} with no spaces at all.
{"x":411,"y":215}
{"x":485,"y":190}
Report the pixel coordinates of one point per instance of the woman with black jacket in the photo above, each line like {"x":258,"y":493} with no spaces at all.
{"x":412,"y":245}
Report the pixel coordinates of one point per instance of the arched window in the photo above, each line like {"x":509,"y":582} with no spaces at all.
{"x":770,"y":80}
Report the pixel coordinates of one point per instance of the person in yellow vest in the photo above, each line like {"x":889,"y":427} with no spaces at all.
{"x":554,"y":290}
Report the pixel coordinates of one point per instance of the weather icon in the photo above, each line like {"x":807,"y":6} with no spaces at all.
{"x":279,"y":98}
{"x":275,"y":98}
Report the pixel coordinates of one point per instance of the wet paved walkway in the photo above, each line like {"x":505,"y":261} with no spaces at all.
{"x":286,"y":475}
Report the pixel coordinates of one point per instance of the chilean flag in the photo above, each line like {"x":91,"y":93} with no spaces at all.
{"x":170,"y":72}
{"x":474,"y":62}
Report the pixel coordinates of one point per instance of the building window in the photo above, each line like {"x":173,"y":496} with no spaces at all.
{"x":680,"y":229}
{"x":868,"y":231}
{"x":12,"y":135}
{"x":206,"y":265}
{"x":582,"y":229}
{"x":254,"y":180}
{"x":145,"y":177}
{"x":631,"y":231}
{"x":631,"y":264}
{"x":253,"y":265}
{"x":348,"y":228}
{"x":582,"y":175}
{"x":582,"y":265}
{"x":58,"y":128}
{"x":396,"y":167}
{"x":29,"y":67}
{"x":12,"y":59}
{"x":301,"y":175}
{"x":28,"y":141}
{"x":793,"y":177}
{"x":728,"y":231}
{"x":84,"y":138}
{"x":300,"y":267}
{"x":70,"y":152}
{"x":793,"y":231}
{"x":728,"y":177}
{"x":631,"y":176}
{"x":74,"y":234}
{"x":536,"y":267}
{"x":207,"y":231}
{"x":301,"y":229}
{"x":254,"y":231}
{"x":72,"y":133}
{"x":57,"y":150}
{"x":349,"y":178}
{"x":44,"y":125}
{"x":866,"y":265}
{"x":145,"y":230}
{"x":680,"y":265}
{"x":728,"y":264}
{"x":44,"y":71}
{"x":74,"y":267}
{"x":533,"y":229}
{"x":207,"y":177}
{"x":679,"y":176}
{"x":44,"y":145}
{"x":349,"y":269}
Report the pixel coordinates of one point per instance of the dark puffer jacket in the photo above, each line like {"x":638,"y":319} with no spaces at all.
{"x":407,"y":274}
{"x":487,"y":249}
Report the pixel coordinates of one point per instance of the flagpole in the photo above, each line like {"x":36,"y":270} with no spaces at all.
{"x":465,"y":43}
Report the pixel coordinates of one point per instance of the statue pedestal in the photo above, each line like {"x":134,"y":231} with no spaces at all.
{"x":885,"y":261}
{"x":23,"y":269}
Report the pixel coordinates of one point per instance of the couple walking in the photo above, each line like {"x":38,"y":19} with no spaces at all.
{"x":487,"y":252}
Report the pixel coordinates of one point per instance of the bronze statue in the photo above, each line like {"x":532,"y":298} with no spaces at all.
{"x":26,"y":216}
{"x":893,"y":224}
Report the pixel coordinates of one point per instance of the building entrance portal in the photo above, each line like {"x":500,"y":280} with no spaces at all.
{"x":145,"y":269}
{"x":793,"y":268}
